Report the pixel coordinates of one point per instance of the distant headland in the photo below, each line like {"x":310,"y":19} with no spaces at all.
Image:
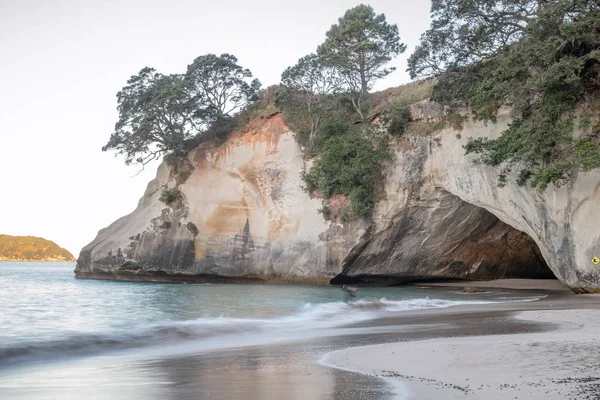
{"x":31,"y":248}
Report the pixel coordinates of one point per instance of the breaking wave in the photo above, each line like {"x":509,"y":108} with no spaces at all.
{"x":313,"y":318}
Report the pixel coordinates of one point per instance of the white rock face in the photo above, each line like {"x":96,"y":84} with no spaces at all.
{"x":247,"y":201}
{"x":430,"y":191}
{"x":246,"y":217}
{"x":564,"y":222}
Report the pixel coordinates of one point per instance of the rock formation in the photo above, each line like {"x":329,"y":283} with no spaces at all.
{"x":244,"y":216}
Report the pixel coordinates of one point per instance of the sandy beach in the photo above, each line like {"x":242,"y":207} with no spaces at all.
{"x":562,"y":362}
{"x":519,"y":284}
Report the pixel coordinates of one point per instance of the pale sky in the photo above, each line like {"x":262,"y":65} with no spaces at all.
{"x":63,"y":61}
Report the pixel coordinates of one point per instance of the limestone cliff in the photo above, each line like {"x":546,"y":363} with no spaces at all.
{"x":244,"y":216}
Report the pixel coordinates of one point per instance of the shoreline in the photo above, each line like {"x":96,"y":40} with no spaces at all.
{"x":556,"y":362}
{"x":266,"y":362}
{"x":511,"y":283}
{"x":166,"y":277}
{"x":160,"y":276}
{"x":37,"y":261}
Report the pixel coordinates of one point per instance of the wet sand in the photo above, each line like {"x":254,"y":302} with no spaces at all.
{"x":530,"y":284}
{"x":292,"y":369}
{"x":557,"y":356}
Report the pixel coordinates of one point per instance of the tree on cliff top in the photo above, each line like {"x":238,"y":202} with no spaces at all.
{"x":360,"y":45}
{"x":161,"y":114}
{"x":541,"y":58}
{"x":466,"y":31}
{"x":309,"y":83}
{"x":220,"y":85}
{"x":323,"y":94}
{"x":156,"y":115}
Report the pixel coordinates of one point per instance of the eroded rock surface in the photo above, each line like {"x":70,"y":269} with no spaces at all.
{"x":245,"y":217}
{"x":564,"y":222}
{"x":426,"y":110}
{"x":442,"y":237}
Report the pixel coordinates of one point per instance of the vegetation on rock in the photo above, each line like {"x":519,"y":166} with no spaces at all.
{"x":350,"y":164}
{"x":170,"y":195}
{"x":220,"y":86}
{"x":193,"y":229}
{"x":306,"y":94}
{"x":31,"y":248}
{"x":324,"y":99}
{"x":397,"y":117}
{"x":170,"y":114}
{"x":359,"y":47}
{"x":542,"y":59}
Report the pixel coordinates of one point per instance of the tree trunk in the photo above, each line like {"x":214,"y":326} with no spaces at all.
{"x":363,"y":79}
{"x":355,"y":98}
{"x":363,"y":75}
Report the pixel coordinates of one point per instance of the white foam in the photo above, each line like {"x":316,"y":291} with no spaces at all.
{"x":312,"y":320}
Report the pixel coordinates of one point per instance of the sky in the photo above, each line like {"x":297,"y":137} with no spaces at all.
{"x":63,"y":61}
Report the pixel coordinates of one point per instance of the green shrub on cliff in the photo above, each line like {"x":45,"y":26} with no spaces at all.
{"x":540,"y":58}
{"x":350,"y":164}
{"x":170,"y":195}
{"x":397,"y":117}
{"x":325,"y":99}
{"x":348,"y":156}
{"x":193,"y":229}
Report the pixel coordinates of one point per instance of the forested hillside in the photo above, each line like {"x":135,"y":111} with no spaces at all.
{"x":30,"y":248}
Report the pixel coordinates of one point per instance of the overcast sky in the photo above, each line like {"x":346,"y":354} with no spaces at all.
{"x":63,"y":61}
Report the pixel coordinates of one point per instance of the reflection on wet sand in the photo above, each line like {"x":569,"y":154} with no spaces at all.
{"x":281,"y":372}
{"x":284,"y":368}
{"x":265,"y":372}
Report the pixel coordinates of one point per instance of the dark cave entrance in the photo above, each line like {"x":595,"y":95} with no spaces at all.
{"x":443,"y":238}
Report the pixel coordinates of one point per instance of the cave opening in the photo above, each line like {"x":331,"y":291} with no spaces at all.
{"x":443,"y":238}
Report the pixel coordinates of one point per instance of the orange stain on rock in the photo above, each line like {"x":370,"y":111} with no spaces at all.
{"x":260,"y":133}
{"x":226,"y":219}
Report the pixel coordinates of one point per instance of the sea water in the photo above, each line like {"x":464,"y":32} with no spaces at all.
{"x":45,"y":311}
{"x":48,"y":316}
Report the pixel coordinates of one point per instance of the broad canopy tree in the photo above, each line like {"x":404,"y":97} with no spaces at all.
{"x":466,"y":31}
{"x":539,"y":57}
{"x":310,"y":82}
{"x":156,"y":115}
{"x":161,"y":114}
{"x":220,"y":85}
